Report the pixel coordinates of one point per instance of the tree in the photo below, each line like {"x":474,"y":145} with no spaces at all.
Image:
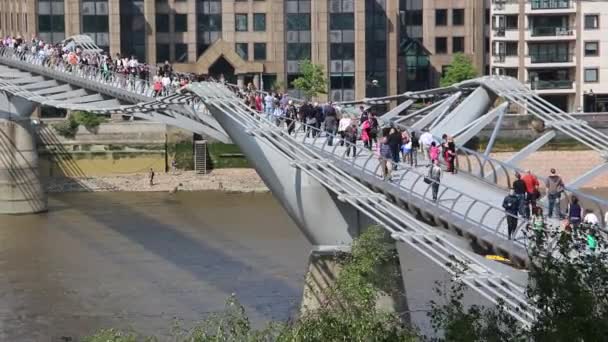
{"x":461,"y":69}
{"x":568,"y":284}
{"x":312,"y":80}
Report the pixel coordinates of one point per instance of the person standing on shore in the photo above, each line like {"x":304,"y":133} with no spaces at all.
{"x":151,"y":176}
{"x":555,"y":187}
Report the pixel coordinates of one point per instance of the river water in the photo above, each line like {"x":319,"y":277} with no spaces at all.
{"x":141,"y":260}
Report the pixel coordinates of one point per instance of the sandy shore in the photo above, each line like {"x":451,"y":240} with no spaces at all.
{"x":569,"y":164}
{"x":231,"y":180}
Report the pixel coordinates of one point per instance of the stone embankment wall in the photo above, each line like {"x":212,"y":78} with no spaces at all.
{"x":114,"y":148}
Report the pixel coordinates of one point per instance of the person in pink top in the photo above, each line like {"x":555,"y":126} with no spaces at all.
{"x":434,"y":152}
{"x":365,"y":128}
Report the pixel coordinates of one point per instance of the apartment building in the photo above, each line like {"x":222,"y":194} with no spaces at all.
{"x":558,"y":47}
{"x":368,"y":48}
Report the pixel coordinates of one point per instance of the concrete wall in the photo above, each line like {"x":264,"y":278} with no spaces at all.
{"x":116,"y":148}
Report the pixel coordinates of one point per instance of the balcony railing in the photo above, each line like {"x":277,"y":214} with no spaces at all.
{"x":548,"y":31}
{"x":550,"y":4}
{"x":500,"y":58}
{"x":547,"y":85}
{"x":551,"y":58}
{"x":499,"y":32}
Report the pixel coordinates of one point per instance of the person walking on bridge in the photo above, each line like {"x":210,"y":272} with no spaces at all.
{"x":511,"y":206}
{"x":532,"y":193}
{"x":555,"y":187}
{"x":435,"y":176}
{"x":519,"y":187}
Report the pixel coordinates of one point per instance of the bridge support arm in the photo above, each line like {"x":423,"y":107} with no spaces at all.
{"x":438,"y":112}
{"x":531,"y":148}
{"x":588,"y":176}
{"x":481,"y":123}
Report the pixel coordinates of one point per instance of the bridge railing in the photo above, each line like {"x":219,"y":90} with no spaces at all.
{"x":477,"y":210}
{"x":502,"y":175}
{"x":127,"y":82}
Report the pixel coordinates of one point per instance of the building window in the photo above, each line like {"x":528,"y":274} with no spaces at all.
{"x":591,"y":75}
{"x":298,"y":22}
{"x":441,"y":17}
{"x":298,"y":51}
{"x":259,"y":51}
{"x":511,"y":22}
{"x":51,"y":20}
{"x":181,"y":52}
{"x":592,"y":49}
{"x":341,"y":61}
{"x":209,"y":24}
{"x":259,"y":22}
{"x":181,"y":22}
{"x":511,"y":49}
{"x":240,"y":21}
{"x":242,"y":50}
{"x":162,"y":53}
{"x":592,"y":22}
{"x":458,"y":16}
{"x":457,"y":44}
{"x":162,"y":23}
{"x":95,"y":21}
{"x":441,"y":45}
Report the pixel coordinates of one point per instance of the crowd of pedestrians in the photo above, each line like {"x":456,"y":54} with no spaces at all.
{"x":134,"y":75}
{"x":523,"y":201}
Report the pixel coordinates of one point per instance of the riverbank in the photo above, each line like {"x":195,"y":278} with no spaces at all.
{"x":569,"y":164}
{"x":229,"y":180}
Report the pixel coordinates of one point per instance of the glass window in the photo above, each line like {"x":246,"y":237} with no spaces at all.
{"x":342,"y":51}
{"x":95,"y":23}
{"x":511,"y":22}
{"x":441,"y":17}
{"x":342,"y":21}
{"x":162,"y":23}
{"x":209,"y":22}
{"x":298,"y":22}
{"x":441,"y":45}
{"x":181,"y":52}
{"x":413,"y":17}
{"x":162,"y":52}
{"x":181,"y":22}
{"x":592,"y":49}
{"x":241,"y":50}
{"x":592,"y":21}
{"x":240,"y":22}
{"x":591,"y":75}
{"x":259,"y":22}
{"x":259,"y":51}
{"x":298,"y":51}
{"x":511,"y":49}
{"x":458,"y":16}
{"x":457,"y":44}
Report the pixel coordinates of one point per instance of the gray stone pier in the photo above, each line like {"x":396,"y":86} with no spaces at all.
{"x":21,"y":190}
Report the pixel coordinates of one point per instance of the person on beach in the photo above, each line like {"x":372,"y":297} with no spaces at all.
{"x":151,"y":176}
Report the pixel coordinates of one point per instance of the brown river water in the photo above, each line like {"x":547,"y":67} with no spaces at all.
{"x":141,"y":260}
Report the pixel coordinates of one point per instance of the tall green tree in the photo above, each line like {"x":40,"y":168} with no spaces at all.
{"x":461,"y":69}
{"x":312,"y":80}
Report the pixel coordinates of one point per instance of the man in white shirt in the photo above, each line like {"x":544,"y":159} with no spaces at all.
{"x":426,"y":139}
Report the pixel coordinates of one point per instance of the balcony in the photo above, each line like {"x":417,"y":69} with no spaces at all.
{"x":505,"y":6}
{"x":550,"y":33}
{"x":552,"y":87}
{"x":505,"y":61}
{"x":551,"y":58}
{"x":550,"y":6}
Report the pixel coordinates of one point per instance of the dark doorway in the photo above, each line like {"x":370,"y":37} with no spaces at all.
{"x":222,"y":67}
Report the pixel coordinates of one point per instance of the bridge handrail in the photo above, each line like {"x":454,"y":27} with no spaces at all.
{"x":133,"y":84}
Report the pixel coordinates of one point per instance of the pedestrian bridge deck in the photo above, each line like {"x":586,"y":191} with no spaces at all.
{"x":468,"y":205}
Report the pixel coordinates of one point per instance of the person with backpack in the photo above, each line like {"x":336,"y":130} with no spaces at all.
{"x":574,"y":212}
{"x":511,"y":206}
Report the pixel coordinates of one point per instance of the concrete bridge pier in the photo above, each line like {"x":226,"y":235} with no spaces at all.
{"x":21,"y":190}
{"x":327,"y":222}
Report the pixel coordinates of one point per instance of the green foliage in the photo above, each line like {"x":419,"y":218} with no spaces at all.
{"x":69,"y":127}
{"x":113,"y":335}
{"x":278,"y":86}
{"x":183,"y":153}
{"x":568,"y":283}
{"x":312,"y":80}
{"x":461,"y":69}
